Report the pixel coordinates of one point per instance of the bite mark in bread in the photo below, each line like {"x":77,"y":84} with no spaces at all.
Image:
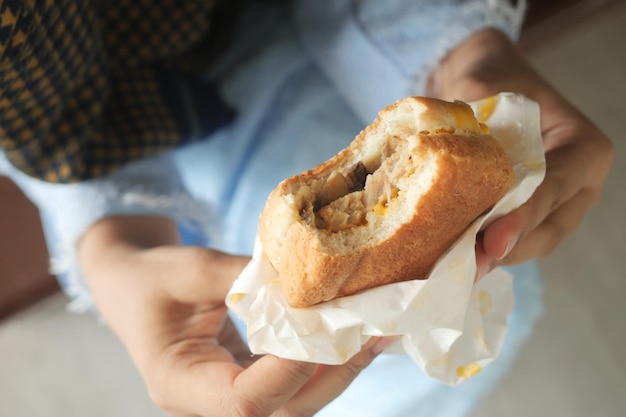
{"x":384,"y":209}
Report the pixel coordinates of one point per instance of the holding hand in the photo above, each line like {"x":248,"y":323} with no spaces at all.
{"x":578,"y":154}
{"x":166,"y":303}
{"x":578,"y":157}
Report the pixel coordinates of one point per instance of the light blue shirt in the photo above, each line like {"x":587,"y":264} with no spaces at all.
{"x":305,"y":78}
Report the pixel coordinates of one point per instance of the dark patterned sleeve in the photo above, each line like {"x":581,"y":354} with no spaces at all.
{"x":86,"y":86}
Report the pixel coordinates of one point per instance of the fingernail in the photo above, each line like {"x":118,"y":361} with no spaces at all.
{"x":509,"y":247}
{"x":482,"y":271}
{"x":383,"y":344}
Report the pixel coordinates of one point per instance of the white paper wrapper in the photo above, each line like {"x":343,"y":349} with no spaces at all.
{"x":451,"y":327}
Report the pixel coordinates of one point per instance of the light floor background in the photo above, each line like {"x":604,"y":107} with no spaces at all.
{"x":56,"y":364}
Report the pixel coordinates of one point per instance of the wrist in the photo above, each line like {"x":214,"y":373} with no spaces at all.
{"x":488,"y":63}
{"x":485,"y":64}
{"x":119,"y":235}
{"x":113,"y":245}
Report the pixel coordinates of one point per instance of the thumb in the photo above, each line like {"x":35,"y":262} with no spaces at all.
{"x":501,"y":236}
{"x":497,"y":241}
{"x":270,"y":382}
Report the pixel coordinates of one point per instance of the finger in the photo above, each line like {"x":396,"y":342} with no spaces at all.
{"x":201,"y":378}
{"x":561,"y":183}
{"x":557,"y":227}
{"x":499,"y":238}
{"x":269,"y":383}
{"x":483,"y":261}
{"x":538,"y":243}
{"x":328,"y":382}
{"x":195,"y":377}
{"x":230,"y":339}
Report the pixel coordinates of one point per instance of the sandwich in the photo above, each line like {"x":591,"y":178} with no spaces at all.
{"x":387,"y":207}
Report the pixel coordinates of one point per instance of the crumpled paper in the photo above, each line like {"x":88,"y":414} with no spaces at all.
{"x":450,"y":326}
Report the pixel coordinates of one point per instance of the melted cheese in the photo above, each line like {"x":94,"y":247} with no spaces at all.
{"x":464,"y":118}
{"x":381,"y":209}
{"x":486,"y":108}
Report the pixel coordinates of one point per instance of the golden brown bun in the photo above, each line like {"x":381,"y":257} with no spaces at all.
{"x":387,"y":207}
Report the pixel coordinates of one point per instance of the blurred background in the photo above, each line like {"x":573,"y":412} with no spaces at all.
{"x":54,"y":363}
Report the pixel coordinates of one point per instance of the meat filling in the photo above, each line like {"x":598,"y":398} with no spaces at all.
{"x":347,"y":198}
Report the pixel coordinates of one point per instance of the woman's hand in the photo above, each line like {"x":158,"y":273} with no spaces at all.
{"x":578,"y":157}
{"x":166,"y":303}
{"x":578,"y":154}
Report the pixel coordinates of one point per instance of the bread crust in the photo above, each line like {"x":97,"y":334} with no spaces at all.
{"x":473,"y":173}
